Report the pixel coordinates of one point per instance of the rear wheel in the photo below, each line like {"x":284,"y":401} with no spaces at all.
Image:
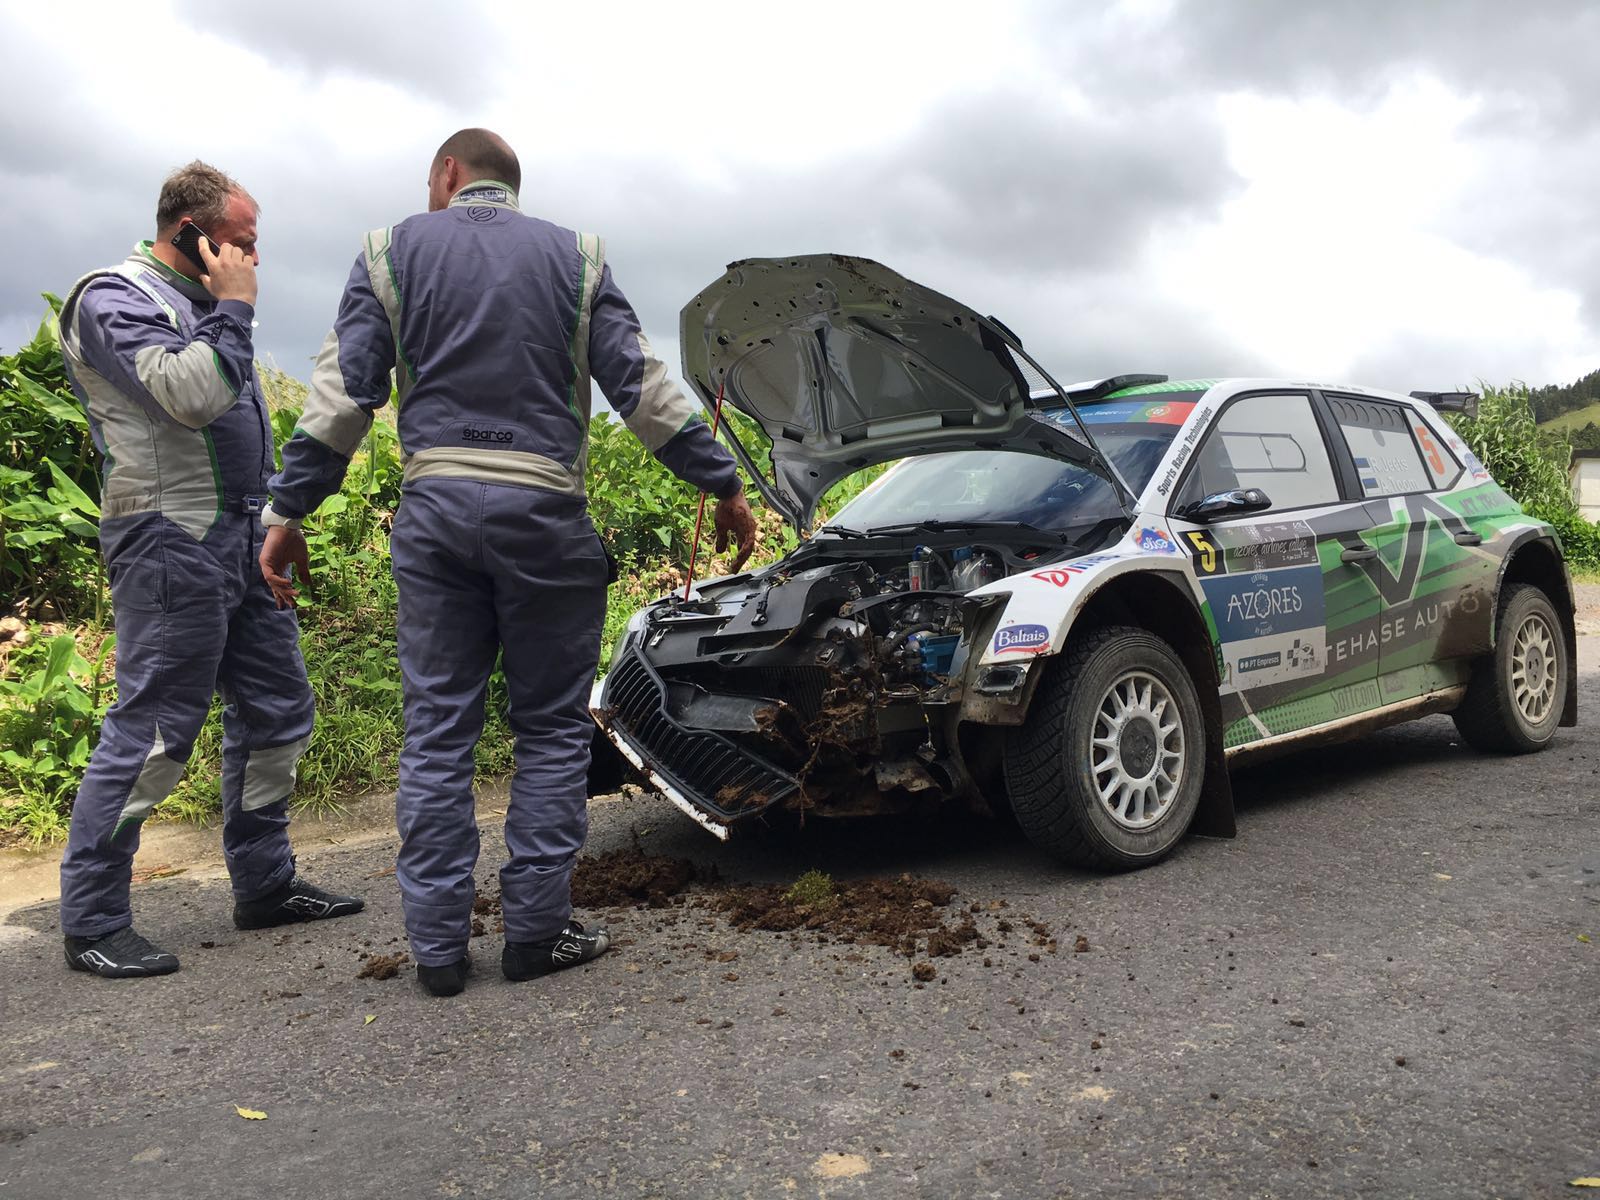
{"x":1107,"y":770}
{"x":1513,"y":702}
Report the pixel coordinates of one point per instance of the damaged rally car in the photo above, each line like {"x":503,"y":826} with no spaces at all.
{"x":1081,"y":604}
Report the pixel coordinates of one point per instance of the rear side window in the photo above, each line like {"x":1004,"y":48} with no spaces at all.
{"x":1387,"y":460}
{"x":1267,"y":442}
{"x":1442,"y":466}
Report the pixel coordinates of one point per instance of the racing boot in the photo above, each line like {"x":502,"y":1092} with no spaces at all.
{"x":448,"y":980}
{"x":573,"y":945}
{"x":120,"y":955}
{"x":297,"y":900}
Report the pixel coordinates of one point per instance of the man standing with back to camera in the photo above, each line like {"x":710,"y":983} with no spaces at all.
{"x":159,"y":351}
{"x":493,"y":323}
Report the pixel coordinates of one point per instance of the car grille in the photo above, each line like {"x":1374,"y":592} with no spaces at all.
{"x":801,"y":687}
{"x":706,"y":767}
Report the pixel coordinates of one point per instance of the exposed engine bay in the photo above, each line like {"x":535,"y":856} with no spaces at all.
{"x":827,"y":684}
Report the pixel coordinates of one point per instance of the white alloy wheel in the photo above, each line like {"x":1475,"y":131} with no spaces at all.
{"x":1533,"y":668}
{"x":1137,"y":749}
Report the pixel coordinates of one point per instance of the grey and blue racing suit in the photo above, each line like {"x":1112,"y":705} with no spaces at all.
{"x":493,"y":323}
{"x":167,"y":377}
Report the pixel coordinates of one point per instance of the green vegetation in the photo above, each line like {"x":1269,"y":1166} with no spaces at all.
{"x":814,"y":889}
{"x":1503,"y":434}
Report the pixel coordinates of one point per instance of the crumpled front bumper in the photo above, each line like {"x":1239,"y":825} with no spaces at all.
{"x":707,"y":775}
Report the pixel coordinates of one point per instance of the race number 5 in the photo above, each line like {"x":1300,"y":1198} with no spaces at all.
{"x":1431,"y":449}
{"x":1207,"y":558}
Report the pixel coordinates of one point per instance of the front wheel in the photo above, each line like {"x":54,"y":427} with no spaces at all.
{"x":1513,"y":701}
{"x":1107,"y":770}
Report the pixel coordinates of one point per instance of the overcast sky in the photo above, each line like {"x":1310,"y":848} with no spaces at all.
{"x":1396,"y":194}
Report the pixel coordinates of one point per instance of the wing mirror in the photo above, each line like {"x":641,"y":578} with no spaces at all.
{"x":1226,"y":504}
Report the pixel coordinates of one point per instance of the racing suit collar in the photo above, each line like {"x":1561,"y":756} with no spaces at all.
{"x":489,"y":192}
{"x":193,"y":289}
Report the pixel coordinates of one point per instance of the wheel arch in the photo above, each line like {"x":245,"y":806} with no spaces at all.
{"x":1535,"y":558}
{"x":1161,"y":602}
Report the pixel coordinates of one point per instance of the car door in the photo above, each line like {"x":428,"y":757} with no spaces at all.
{"x":1294,"y":614}
{"x":1435,"y":584}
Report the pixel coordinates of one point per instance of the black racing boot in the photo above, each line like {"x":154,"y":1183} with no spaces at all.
{"x":120,"y":955}
{"x":448,"y":980}
{"x":529,"y":960}
{"x":295,"y":901}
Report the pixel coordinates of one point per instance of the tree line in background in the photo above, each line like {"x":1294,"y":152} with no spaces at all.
{"x":58,"y":651}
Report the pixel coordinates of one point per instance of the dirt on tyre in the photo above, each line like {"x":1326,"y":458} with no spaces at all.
{"x":1107,"y":770}
{"x":1514,"y":699}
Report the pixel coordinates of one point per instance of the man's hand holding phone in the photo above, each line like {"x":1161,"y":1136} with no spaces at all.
{"x":230,"y":273}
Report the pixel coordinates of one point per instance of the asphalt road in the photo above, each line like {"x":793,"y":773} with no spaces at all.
{"x":1237,"y":1026}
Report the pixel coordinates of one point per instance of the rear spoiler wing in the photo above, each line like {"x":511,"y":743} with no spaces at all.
{"x":1458,"y":402}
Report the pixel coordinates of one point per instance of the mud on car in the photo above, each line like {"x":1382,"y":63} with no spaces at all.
{"x":1081,"y":604}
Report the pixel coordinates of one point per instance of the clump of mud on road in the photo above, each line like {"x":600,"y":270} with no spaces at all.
{"x":383,"y":966}
{"x":911,"y":916}
{"x":625,"y":878}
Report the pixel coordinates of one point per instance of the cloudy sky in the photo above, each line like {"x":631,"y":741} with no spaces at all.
{"x":1397,"y":194}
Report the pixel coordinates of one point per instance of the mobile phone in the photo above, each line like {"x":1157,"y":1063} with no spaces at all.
{"x":187,"y":240}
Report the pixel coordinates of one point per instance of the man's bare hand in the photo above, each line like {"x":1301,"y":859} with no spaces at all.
{"x":285,"y":548}
{"x":736,"y":524}
{"x":230,"y":274}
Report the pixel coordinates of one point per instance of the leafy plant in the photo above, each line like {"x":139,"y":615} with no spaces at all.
{"x":1525,"y":462}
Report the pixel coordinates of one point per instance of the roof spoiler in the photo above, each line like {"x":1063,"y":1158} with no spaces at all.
{"x":1459,"y":402}
{"x":1090,"y":390}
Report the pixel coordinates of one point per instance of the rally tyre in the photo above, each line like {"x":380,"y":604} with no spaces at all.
{"x":1106,"y":773}
{"x":1514,"y":699}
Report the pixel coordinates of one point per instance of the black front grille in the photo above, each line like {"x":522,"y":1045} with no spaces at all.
{"x":706,"y":767}
{"x":802,"y":687}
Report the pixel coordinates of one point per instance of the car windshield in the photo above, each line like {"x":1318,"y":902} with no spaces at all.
{"x":1010,"y":486}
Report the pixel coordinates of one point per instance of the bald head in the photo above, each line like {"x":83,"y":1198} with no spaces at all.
{"x":480,"y":154}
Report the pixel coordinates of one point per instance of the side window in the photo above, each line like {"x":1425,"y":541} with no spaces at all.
{"x":1267,"y":442}
{"x":1387,"y":460}
{"x":1443,"y":468}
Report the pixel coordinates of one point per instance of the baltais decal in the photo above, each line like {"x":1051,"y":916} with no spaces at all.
{"x":1022,"y":639}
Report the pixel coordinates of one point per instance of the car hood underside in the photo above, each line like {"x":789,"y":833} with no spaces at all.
{"x":844,"y":363}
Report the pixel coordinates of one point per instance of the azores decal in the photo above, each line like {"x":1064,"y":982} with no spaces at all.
{"x":1270,"y":624}
{"x":1022,"y":639}
{"x":1265,"y":590}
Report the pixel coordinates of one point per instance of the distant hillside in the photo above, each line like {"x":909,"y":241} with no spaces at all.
{"x":1549,"y":403}
{"x":1577,"y":418}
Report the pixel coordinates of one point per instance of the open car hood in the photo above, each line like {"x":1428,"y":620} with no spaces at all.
{"x":844,"y":364}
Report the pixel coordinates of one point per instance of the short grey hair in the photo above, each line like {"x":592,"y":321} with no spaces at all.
{"x":201,"y":192}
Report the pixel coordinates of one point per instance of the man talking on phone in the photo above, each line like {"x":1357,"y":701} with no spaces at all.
{"x":494,"y":323}
{"x":159,"y":351}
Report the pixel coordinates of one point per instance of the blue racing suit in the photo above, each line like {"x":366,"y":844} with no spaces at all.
{"x":167,"y":377}
{"x":493,"y":323}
